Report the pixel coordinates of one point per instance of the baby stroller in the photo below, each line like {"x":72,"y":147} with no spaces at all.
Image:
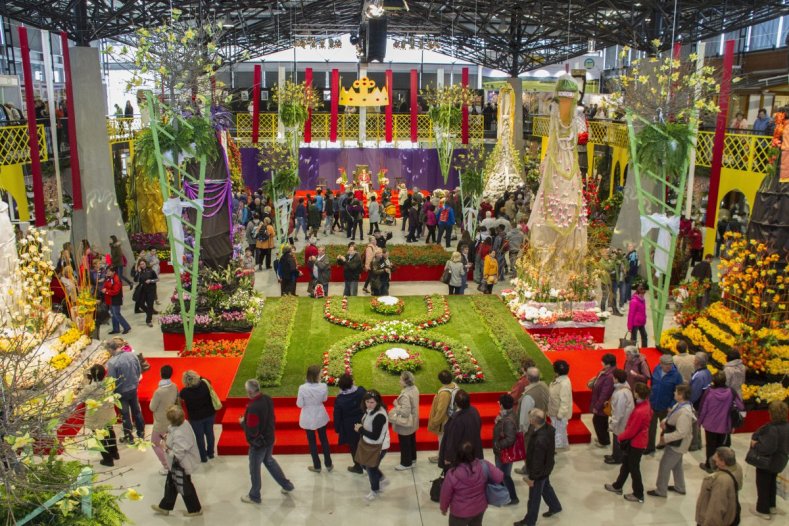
{"x":389,"y":214}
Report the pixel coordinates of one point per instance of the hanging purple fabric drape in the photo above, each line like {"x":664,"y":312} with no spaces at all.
{"x":416,"y":167}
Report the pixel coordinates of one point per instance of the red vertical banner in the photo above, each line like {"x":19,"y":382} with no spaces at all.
{"x":308,"y":124}
{"x":414,"y":107}
{"x":464,"y":109}
{"x":335,"y":104}
{"x":390,"y":93}
{"x":256,"y":81}
{"x":720,"y":132}
{"x":677,"y":50}
{"x":71,"y":120}
{"x":32,"y":131}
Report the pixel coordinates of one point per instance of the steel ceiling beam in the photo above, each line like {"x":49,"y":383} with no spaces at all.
{"x":479,"y":31}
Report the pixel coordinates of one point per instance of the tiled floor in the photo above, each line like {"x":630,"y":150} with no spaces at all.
{"x":337,"y":498}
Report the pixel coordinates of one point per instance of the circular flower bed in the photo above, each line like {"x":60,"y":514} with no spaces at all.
{"x":388,"y":305}
{"x":335,"y":310}
{"x":396,"y":360}
{"x":462,"y":364}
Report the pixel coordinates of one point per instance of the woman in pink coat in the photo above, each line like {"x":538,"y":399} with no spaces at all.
{"x":463,"y":491}
{"x":637,"y":315}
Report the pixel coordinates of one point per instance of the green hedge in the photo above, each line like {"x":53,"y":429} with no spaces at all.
{"x":514,"y":346}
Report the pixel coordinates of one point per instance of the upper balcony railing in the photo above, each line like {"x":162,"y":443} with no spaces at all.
{"x":348,"y":127}
{"x":122,"y":129}
{"x":14,"y":147}
{"x":741,"y":151}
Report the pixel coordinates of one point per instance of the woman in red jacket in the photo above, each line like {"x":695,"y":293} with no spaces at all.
{"x":635,"y":435}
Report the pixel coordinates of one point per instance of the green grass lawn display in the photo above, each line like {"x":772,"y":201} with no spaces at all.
{"x":294,"y":333}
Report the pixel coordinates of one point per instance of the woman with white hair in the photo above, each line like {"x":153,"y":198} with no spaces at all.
{"x":456,"y":270}
{"x":182,"y":455}
{"x":404,"y":416}
{"x":196,"y":394}
{"x":636,"y":367}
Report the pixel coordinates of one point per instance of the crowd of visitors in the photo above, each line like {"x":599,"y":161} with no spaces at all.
{"x":532,"y":418}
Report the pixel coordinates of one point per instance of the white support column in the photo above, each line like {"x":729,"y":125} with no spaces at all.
{"x":700,"y":49}
{"x":53,"y":120}
{"x":439,"y":77}
{"x":362,"y":110}
{"x":281,"y":83}
{"x":479,"y":78}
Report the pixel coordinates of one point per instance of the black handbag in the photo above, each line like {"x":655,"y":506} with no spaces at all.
{"x":446,"y":276}
{"x":671,"y":429}
{"x":735,"y":417}
{"x":435,"y":488}
{"x":758,"y":461}
{"x":137,"y":293}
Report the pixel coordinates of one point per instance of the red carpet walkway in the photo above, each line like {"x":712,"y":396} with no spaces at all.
{"x":220,"y":371}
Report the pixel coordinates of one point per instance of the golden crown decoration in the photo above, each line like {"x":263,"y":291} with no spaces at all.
{"x":364,"y":93}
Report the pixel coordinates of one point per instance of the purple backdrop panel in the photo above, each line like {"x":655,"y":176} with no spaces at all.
{"x":416,"y":167}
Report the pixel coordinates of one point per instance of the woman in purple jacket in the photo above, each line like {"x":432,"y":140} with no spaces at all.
{"x":637,"y":315}
{"x":602,"y":387}
{"x":714,"y":415}
{"x":463,"y":490}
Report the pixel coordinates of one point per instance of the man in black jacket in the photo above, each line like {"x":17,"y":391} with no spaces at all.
{"x":539,"y":463}
{"x":258,"y":425}
{"x":464,"y":425}
{"x":352,"y":269}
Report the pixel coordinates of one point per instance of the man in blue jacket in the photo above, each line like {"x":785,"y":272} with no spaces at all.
{"x":446,"y":220}
{"x":700,"y":380}
{"x":665,"y":378}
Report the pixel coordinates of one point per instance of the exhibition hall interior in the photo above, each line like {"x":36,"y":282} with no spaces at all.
{"x":411,"y":262}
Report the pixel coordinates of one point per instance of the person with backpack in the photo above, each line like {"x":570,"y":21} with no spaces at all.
{"x":356,"y":213}
{"x":446,"y":220}
{"x":714,"y":416}
{"x":768,"y":453}
{"x":443,"y":408}
{"x":251,"y":232}
{"x":264,"y":242}
{"x":718,"y":503}
{"x":631,"y":273}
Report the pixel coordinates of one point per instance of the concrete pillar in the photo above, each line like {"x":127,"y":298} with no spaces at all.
{"x":101,"y":216}
{"x":363,"y":110}
{"x":517,"y":89}
{"x":439,"y":77}
{"x":281,"y":77}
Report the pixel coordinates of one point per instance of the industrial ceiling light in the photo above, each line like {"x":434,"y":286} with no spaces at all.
{"x":374,"y":8}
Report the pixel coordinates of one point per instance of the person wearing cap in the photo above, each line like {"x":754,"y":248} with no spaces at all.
{"x":665,"y":378}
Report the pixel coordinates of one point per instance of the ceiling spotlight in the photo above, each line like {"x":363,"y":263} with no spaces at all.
{"x":374,"y":8}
